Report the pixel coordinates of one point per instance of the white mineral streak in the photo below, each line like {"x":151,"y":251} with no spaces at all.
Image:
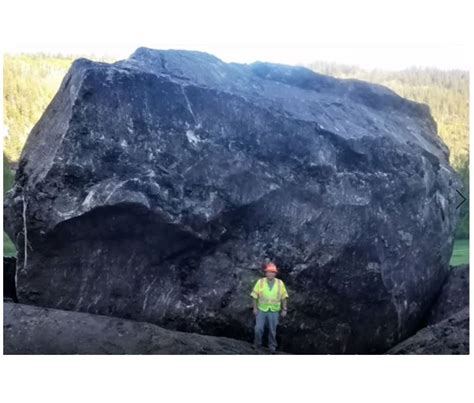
{"x":192,"y":138}
{"x":25,"y":234}
{"x":188,"y":103}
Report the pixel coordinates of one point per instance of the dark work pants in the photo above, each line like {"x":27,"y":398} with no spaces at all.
{"x":271,"y":320}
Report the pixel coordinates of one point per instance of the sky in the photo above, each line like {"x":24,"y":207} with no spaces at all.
{"x":371,"y":34}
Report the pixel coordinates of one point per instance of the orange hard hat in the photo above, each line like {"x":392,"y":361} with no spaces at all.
{"x":271,"y":267}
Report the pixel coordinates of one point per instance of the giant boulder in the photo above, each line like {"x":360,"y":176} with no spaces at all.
{"x":153,"y":188}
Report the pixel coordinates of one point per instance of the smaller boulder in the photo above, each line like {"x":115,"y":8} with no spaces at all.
{"x":30,"y":329}
{"x":450,"y":336}
{"x":453,"y":297}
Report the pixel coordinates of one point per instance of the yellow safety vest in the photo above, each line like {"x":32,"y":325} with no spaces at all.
{"x":268,"y":299}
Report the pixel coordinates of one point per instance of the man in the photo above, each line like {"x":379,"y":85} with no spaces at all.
{"x":269,"y":301}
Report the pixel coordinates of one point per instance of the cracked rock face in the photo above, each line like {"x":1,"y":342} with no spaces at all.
{"x":154,"y":187}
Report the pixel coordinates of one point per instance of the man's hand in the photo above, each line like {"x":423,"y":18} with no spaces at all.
{"x":255,"y":311}
{"x":283,"y":313}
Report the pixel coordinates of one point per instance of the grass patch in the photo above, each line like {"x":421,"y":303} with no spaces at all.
{"x":460,"y":252}
{"x":8,"y":247}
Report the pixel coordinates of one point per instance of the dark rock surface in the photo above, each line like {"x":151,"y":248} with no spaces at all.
{"x":29,"y":329}
{"x":153,"y":188}
{"x":453,"y":297}
{"x":450,"y":336}
{"x":9,"y":288}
